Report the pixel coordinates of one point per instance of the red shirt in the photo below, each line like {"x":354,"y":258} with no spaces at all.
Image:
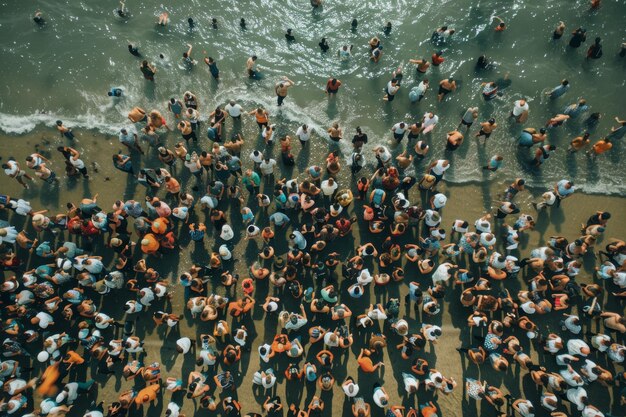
{"x":437,"y":59}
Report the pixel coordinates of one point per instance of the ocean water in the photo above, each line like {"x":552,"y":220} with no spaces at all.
{"x":64,"y":69}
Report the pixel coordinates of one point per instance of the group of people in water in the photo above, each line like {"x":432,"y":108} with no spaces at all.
{"x":82,"y":285}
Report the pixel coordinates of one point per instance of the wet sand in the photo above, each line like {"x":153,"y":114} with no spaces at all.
{"x":467,"y":201}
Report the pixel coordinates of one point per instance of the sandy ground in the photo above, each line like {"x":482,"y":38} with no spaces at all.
{"x":469,"y":202}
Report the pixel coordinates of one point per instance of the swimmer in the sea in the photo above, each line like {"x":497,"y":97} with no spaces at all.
{"x":487,"y":128}
{"x":251,"y":67}
{"x":494,"y":163}
{"x":38,"y":18}
{"x":422,"y":65}
{"x":469,"y":117}
{"x":324,"y":45}
{"x":122,"y":12}
{"x":354,"y":24}
{"x":579,"y":142}
{"x":501,"y":26}
{"x":559,"y":31}
{"x":147,"y":70}
{"x":289,"y":36}
{"x":332,"y":86}
{"x":446,"y":86}
{"x":387,"y":29}
{"x":578,"y":37}
{"x":214,"y":23}
{"x":374,"y":43}
{"x":187,"y":56}
{"x":595,"y":50}
{"x":134,"y":50}
{"x":215,"y":72}
{"x":557,"y":120}
{"x":316,"y":3}
{"x":377,"y":54}
{"x":191,"y":23}
{"x":559,"y":90}
{"x":281,"y":89}
{"x":115,"y":92}
{"x":164,"y":19}
{"x":391,"y":90}
{"x":437,"y":58}
{"x":345,"y":52}
{"x":483,"y":63}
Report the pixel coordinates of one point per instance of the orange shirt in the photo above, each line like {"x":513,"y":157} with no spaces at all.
{"x":261,"y":118}
{"x":148,"y":394}
{"x":429,"y":411}
{"x":153,"y":244}
{"x":366,"y":364}
{"x":74,"y":358}
{"x":173,"y":186}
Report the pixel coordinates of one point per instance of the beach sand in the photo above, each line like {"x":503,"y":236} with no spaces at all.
{"x":467,"y":201}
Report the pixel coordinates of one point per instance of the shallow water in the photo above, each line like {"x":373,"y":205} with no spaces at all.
{"x":65,"y":69}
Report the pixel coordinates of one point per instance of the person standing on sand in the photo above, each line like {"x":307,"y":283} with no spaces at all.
{"x":64,"y":131}
{"x":13,"y":170}
{"x":281,"y":89}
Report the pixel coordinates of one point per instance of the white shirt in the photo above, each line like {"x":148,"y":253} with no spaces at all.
{"x":77,"y":163}
{"x":267,"y":167}
{"x":350,"y":387}
{"x":518,"y":109}
{"x":439,"y":168}
{"x":174,"y":409}
{"x":378,"y":396}
{"x":574,"y":395}
{"x":256,"y":156}
{"x":575,"y":345}
{"x":22,"y":207}
{"x":234,"y":111}
{"x":302,"y":135}
{"x":44,"y":319}
{"x":12,"y":169}
{"x":410,"y":381}
{"x":391,"y":89}
{"x":428,"y":121}
{"x":327,"y":189}
{"x":399,"y":130}
{"x":384,"y":154}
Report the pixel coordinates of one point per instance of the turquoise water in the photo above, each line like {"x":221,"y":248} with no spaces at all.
{"x":64,"y":69}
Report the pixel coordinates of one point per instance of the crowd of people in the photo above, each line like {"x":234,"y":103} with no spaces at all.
{"x":82,"y":284}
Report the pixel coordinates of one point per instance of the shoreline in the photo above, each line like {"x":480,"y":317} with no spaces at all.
{"x":51,"y":139}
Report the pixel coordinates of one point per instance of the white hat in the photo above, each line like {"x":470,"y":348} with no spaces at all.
{"x":227,"y":232}
{"x":43,"y":356}
{"x":38,"y":219}
{"x":225,"y":253}
{"x":440,"y":200}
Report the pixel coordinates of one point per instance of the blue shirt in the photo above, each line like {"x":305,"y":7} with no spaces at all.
{"x":560,"y":187}
{"x":559,"y":91}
